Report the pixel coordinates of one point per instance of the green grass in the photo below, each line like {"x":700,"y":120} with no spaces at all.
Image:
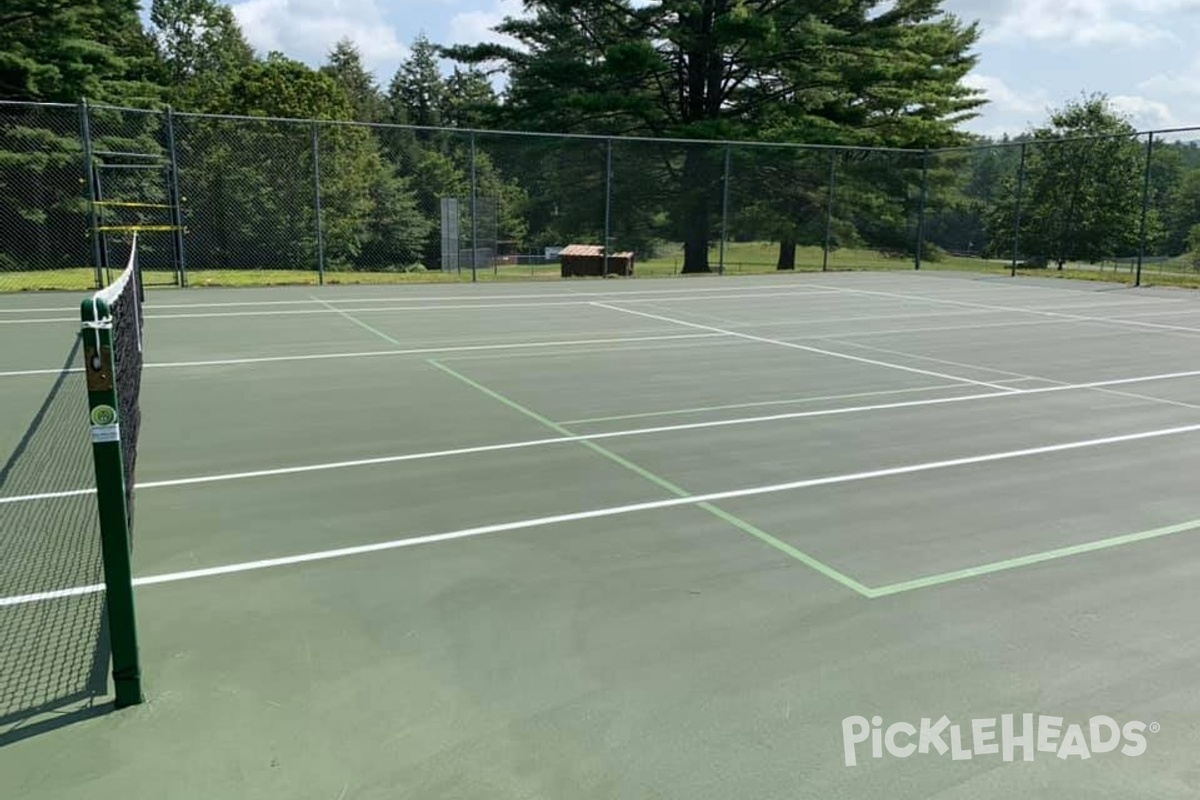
{"x":741,"y":258}
{"x":759,"y":258}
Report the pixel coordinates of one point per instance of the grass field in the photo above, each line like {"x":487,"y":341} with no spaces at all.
{"x":741,"y":258}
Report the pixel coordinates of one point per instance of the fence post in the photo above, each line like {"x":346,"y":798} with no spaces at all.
{"x":1137,"y":281}
{"x":316,"y":158}
{"x":89,"y":172}
{"x":1017,"y":213}
{"x":725,"y":208}
{"x":474,"y":214}
{"x":176,"y":202}
{"x":829,"y":211}
{"x":608,"y":144}
{"x":921,"y":207}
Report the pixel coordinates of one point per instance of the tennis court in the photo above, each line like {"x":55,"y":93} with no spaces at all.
{"x":621,"y":539}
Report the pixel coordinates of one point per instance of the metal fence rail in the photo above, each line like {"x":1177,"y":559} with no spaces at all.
{"x":246,"y":200}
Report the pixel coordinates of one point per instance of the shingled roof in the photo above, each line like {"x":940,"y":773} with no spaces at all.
{"x":591,"y":250}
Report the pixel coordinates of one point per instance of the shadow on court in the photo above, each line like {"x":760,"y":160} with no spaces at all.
{"x":55,"y":656}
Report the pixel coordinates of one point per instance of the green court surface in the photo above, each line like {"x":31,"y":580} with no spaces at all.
{"x":618,"y":540}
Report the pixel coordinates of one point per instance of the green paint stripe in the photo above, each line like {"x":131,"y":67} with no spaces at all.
{"x":1034,"y":558}
{"x":358,"y":322}
{"x":663,"y":483}
{"x":784,"y":547}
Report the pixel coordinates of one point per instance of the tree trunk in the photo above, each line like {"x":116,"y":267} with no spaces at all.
{"x":787,"y":254}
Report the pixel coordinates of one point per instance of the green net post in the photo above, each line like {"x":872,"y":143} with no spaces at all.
{"x":110,"y":496}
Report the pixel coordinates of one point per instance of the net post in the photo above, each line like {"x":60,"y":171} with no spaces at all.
{"x":176,"y":201}
{"x":474,"y":214}
{"x":829,"y":211}
{"x":1017,"y":212}
{"x":921,"y":208}
{"x":725,"y":209}
{"x":1137,"y":281}
{"x":608,"y":145}
{"x":316,"y":159}
{"x":89,"y":172}
{"x":100,"y":370}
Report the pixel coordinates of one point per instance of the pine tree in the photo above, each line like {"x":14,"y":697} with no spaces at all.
{"x":417,"y":92}
{"x":345,"y":66}
{"x":732,"y":69}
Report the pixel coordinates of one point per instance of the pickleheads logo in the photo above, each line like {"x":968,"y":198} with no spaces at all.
{"x":1029,"y":734}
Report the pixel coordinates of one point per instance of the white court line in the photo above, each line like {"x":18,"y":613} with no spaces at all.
{"x":795,"y":289}
{"x":794,"y":346}
{"x":493,"y":448}
{"x":564,"y":343}
{"x":38,"y":320}
{"x":1174,"y":312}
{"x":761,"y":403}
{"x":399,"y":298}
{"x":461,"y":306}
{"x":711,"y":344}
{"x":846,"y":341}
{"x":936,"y":329}
{"x":1018,"y":309}
{"x":379,"y":353}
{"x":1020,"y":375}
{"x":600,"y":513}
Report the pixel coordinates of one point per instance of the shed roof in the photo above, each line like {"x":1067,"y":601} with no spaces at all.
{"x":591,"y":250}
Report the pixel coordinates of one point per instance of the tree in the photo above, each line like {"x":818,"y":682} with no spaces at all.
{"x":203,"y":48}
{"x":1183,"y":211}
{"x":61,"y":50}
{"x":251,"y":195}
{"x":467,"y":99}
{"x":1083,"y":187}
{"x":345,"y":66}
{"x":1193,"y":245}
{"x":54,"y":50}
{"x":417,"y":92}
{"x":734,"y":69}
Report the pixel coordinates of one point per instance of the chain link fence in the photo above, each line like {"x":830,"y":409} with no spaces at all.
{"x":221,"y":200}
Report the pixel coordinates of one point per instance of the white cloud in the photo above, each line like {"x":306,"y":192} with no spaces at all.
{"x":1119,"y":23}
{"x":1144,"y":113}
{"x":1005,"y":100}
{"x":473,"y":27}
{"x":1175,"y":83}
{"x":308,"y":29}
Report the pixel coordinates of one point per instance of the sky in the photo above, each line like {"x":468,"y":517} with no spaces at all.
{"x":1034,"y":54}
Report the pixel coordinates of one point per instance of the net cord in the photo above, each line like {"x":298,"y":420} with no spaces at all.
{"x":109,"y":295}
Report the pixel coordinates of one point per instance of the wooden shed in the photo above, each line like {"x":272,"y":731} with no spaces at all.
{"x":583,"y":260}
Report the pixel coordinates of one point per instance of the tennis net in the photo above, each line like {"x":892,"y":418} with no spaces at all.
{"x":119,"y":307}
{"x":53,"y":654}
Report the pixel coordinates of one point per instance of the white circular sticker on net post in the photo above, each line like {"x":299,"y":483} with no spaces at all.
{"x":105,"y":427}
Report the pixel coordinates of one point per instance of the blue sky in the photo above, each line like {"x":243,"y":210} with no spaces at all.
{"x":1034,"y":54}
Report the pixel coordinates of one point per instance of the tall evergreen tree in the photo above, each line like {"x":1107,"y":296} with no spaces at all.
{"x":468,"y":98}
{"x":63,"y":50}
{"x":417,"y":92}
{"x":345,"y":66}
{"x":731,"y":69}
